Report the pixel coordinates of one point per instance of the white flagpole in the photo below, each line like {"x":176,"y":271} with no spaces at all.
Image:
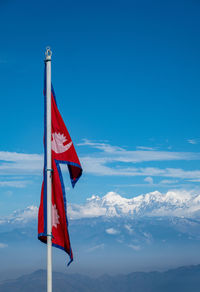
{"x":49,"y":168}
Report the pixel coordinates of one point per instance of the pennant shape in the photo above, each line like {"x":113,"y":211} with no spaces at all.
{"x":63,"y":152}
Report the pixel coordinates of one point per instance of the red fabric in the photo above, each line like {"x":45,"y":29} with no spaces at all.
{"x":63,"y":151}
{"x":58,"y":127}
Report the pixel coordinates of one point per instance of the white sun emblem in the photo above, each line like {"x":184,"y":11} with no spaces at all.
{"x":55,"y":216}
{"x":57,"y":144}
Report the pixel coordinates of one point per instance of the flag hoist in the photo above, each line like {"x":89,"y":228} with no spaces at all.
{"x":58,"y":149}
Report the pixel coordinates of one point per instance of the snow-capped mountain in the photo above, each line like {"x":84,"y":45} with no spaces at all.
{"x":117,"y":229}
{"x":21,"y":216}
{"x":173,"y":203}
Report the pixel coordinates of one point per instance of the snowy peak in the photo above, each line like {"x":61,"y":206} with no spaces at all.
{"x":173,"y":203}
{"x":113,"y":198}
{"x":28,"y":213}
{"x":21,"y":216}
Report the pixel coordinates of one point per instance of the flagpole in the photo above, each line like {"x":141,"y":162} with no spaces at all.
{"x":48,"y":54}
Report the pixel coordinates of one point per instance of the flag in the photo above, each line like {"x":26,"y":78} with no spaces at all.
{"x":63,"y":152}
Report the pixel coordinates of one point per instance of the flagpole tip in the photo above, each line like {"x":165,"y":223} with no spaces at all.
{"x":48,"y":54}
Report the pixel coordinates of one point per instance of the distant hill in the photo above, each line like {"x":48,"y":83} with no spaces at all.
{"x":151,"y":231}
{"x":184,"y":279}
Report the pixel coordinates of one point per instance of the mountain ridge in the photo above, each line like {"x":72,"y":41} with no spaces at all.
{"x":174,"y":203}
{"x":184,"y":279}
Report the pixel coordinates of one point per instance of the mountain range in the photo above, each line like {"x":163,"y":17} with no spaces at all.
{"x":112,"y":233}
{"x":174,"y":203}
{"x":184,"y":279}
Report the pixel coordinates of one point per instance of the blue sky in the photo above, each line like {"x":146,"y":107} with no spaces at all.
{"x":126,"y":76}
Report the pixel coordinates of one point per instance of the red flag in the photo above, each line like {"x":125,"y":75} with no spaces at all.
{"x":63,"y":152}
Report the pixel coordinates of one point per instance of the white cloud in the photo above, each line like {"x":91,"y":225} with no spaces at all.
{"x":148,"y":237}
{"x":21,"y":216}
{"x":168,"y":182}
{"x":29,"y":213}
{"x":97,"y":247}
{"x":101,"y":146}
{"x":99,"y":163}
{"x":14,"y":156}
{"x":149,"y":180}
{"x":129,"y":228}
{"x":108,"y":161}
{"x":99,"y":166}
{"x":193,"y":141}
{"x":88,"y":210}
{"x":120,"y":154}
{"x":112,"y":231}
{"x":135,"y":247}
{"x":20,"y":164}
{"x":14,"y":183}
{"x":145,"y":148}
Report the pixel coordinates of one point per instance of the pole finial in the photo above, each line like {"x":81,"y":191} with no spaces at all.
{"x":48,"y":53}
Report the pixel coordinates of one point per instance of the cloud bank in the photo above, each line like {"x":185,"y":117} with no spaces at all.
{"x":103,"y":159}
